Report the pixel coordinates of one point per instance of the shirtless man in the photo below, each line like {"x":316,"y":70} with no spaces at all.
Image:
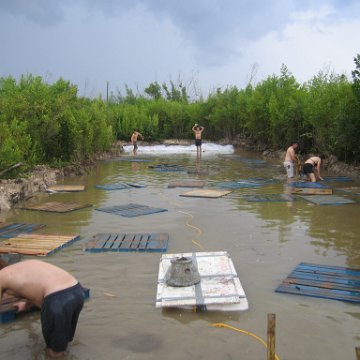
{"x":134,"y":139}
{"x":197,"y":130}
{"x":312,"y":168}
{"x":57,"y":293}
{"x":290,"y":159}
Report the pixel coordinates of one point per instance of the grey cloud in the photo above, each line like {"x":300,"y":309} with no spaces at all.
{"x":43,"y":12}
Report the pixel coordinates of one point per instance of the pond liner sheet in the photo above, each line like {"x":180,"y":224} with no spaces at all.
{"x":131,"y":210}
{"x":8,"y":311}
{"x":328,"y":199}
{"x":269,"y":198}
{"x":15,"y":229}
{"x":125,"y":242}
{"x":323,"y":281}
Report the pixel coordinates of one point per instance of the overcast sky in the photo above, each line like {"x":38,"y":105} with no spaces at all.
{"x":206,"y":44}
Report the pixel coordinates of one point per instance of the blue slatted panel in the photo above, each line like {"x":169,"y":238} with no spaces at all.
{"x":237,"y":184}
{"x":142,"y":242}
{"x":12,"y":230}
{"x":337,"y":179}
{"x":269,"y":198}
{"x":308,"y":184}
{"x":329,"y":282}
{"x":328,"y":199}
{"x":167,"y":167}
{"x":131,"y":210}
{"x":118,"y":186}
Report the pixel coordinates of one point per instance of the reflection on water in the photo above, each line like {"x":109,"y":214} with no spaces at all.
{"x":265,"y":240}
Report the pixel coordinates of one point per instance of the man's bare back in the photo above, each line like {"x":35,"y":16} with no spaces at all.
{"x":34,"y":279}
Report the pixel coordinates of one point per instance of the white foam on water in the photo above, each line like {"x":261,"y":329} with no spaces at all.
{"x":207,"y":149}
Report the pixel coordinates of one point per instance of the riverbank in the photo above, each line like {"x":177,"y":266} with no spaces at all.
{"x":13,"y":191}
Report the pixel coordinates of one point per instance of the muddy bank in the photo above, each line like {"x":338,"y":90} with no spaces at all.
{"x":14,"y":190}
{"x":333,"y":165}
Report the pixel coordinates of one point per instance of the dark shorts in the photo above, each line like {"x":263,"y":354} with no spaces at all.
{"x":59,"y":316}
{"x":135,"y":146}
{"x":308,"y":168}
{"x":198,"y":142}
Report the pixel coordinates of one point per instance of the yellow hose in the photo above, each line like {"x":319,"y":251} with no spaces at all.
{"x":243,"y":332}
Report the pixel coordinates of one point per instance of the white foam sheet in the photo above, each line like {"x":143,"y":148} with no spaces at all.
{"x":219,"y":289}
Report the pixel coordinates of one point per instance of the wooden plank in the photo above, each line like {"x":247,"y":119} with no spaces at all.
{"x":312,"y":191}
{"x":66,"y":188}
{"x":36,"y":244}
{"x":187,"y":184}
{"x":206,"y":193}
{"x":56,"y":207}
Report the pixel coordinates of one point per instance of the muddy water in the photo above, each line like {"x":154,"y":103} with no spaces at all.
{"x":265,"y":241}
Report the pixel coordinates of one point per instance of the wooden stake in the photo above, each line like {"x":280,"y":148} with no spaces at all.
{"x":271,"y":337}
{"x":357,"y":350}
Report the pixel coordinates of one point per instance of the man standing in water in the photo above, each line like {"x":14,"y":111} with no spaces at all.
{"x":50,"y":288}
{"x":197,"y":130}
{"x":291,"y":159}
{"x":134,"y":139}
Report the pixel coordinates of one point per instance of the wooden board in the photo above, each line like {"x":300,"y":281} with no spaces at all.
{"x":218,"y":289}
{"x":213,"y":194}
{"x":187,"y":184}
{"x":328,"y":199}
{"x":322,"y":281}
{"x":312,"y":191}
{"x":66,"y":188}
{"x":35,"y":244}
{"x":8,"y":310}
{"x":269,"y":198}
{"x":141,"y":242}
{"x":131,"y":210}
{"x":14,"y":229}
{"x":56,"y":207}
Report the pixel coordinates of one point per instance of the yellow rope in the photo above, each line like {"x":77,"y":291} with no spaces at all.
{"x":243,"y":332}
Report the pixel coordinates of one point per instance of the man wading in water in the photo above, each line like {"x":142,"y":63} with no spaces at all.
{"x":197,"y":130}
{"x":53,"y":290}
{"x":134,"y":139}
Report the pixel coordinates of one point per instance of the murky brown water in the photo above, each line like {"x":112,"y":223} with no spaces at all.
{"x":265,"y":241}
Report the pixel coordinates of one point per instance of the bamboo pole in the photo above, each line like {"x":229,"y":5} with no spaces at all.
{"x":271,"y":336}
{"x":357,"y":350}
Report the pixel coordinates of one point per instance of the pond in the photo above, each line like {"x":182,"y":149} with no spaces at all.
{"x":266,"y":240}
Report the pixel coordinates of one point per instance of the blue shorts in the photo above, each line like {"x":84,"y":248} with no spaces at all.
{"x":198,"y":142}
{"x":59,"y":316}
